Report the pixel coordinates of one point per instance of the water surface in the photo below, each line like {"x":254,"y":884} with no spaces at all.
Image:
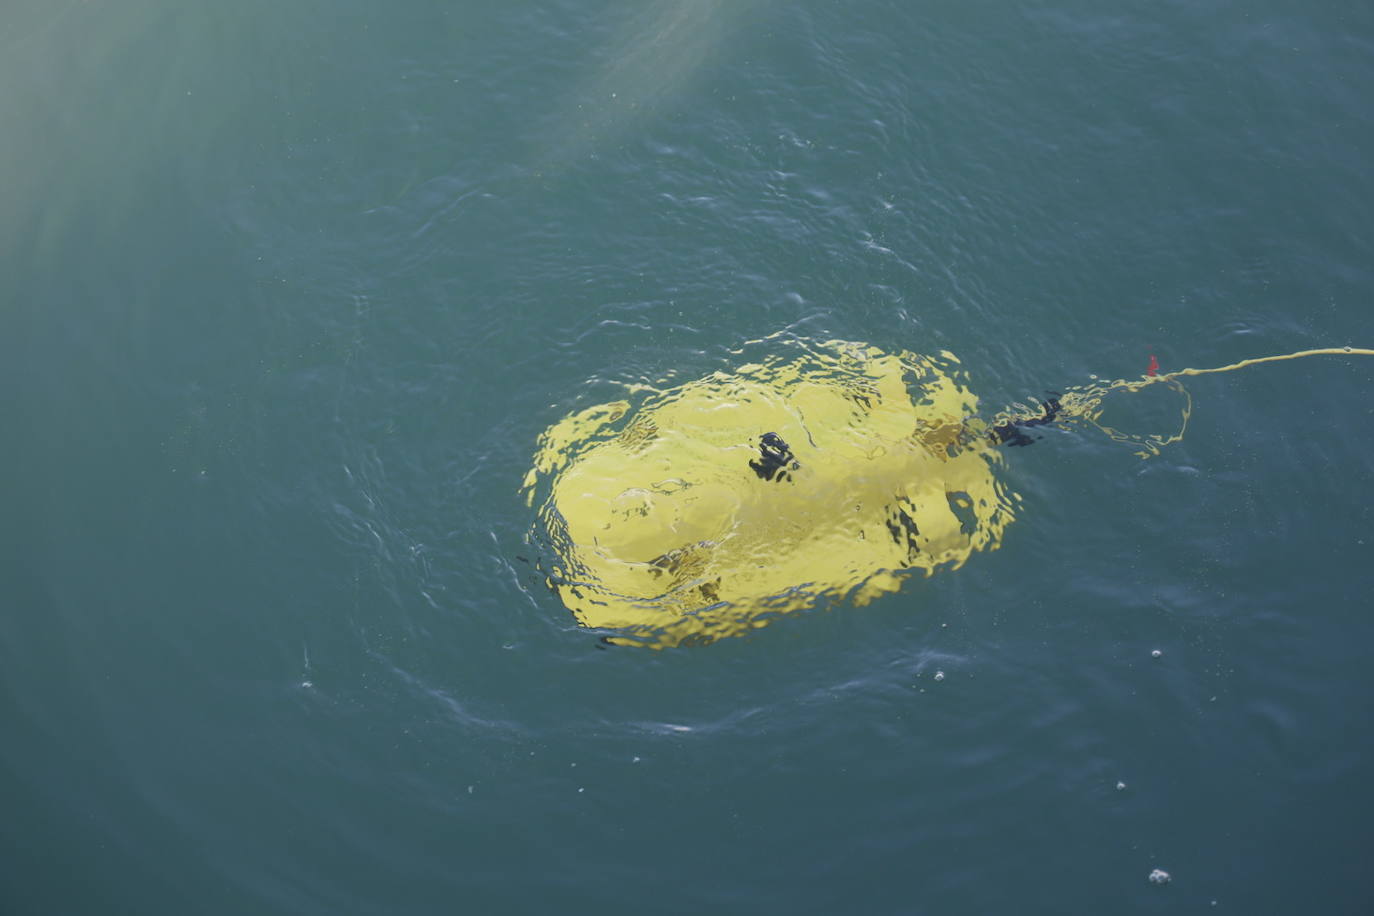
{"x":288,"y":292}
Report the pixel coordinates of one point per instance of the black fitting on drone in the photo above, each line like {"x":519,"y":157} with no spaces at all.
{"x":775,"y":460}
{"x":1010,"y":433}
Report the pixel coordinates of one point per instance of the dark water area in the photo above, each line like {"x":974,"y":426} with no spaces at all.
{"x":289,"y":291}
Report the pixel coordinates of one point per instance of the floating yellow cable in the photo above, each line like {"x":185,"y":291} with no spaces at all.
{"x":1086,"y":403}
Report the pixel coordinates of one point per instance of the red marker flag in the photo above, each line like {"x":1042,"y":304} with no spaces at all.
{"x":1154,"y":366}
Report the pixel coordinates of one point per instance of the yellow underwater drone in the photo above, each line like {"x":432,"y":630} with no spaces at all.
{"x":828,"y":473}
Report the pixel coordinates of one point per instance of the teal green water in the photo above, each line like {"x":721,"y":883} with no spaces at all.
{"x":288,"y":291}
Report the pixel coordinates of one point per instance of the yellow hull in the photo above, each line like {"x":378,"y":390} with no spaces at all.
{"x":666,"y":533}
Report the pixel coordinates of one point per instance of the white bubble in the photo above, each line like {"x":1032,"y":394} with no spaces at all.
{"x":1156,"y":654}
{"x":1120,"y":786}
{"x":939,"y":675}
{"x":1159,"y":876}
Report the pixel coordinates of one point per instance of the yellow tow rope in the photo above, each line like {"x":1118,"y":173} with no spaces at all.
{"x":1086,"y":402}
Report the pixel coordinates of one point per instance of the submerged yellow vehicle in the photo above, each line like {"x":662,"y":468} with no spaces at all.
{"x":828,"y":471}
{"x":704,"y":510}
